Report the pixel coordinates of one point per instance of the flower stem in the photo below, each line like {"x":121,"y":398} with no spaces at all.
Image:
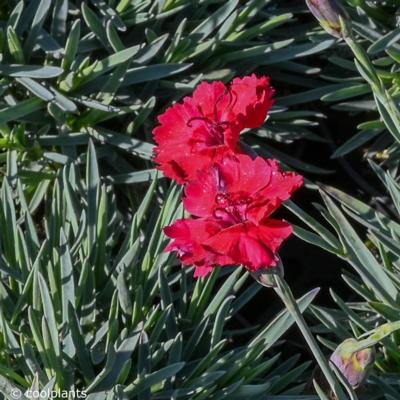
{"x":286,"y":295}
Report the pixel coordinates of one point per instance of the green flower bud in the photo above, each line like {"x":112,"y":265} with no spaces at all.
{"x":353,"y":363}
{"x":328,"y":13}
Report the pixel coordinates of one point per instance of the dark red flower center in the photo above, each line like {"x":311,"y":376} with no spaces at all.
{"x":214,"y":134}
{"x":231,"y":209}
{"x":217,"y":133}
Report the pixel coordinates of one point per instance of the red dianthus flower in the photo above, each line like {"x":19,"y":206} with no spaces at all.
{"x":192,"y":135}
{"x":232,"y":202}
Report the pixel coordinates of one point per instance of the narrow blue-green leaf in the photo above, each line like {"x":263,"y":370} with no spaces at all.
{"x":21,"y":109}
{"x":282,"y":322}
{"x":213,"y":21}
{"x":30,"y":71}
{"x":322,"y":395}
{"x":49,"y":314}
{"x":82,"y":352}
{"x":314,"y":239}
{"x":15,"y":15}
{"x":367,"y":213}
{"x":251,"y":31}
{"x":369,"y":269}
{"x":115,"y":362}
{"x":112,"y":61}
{"x":147,"y":53}
{"x":95,"y":25}
{"x":314,"y":224}
{"x":153,"y":378}
{"x":219,"y":322}
{"x":67,"y":277}
{"x":385,"y":42}
{"x":256,"y":51}
{"x":347,"y":92}
{"x":59,"y":20}
{"x":110,"y":13}
{"x":113,"y":38}
{"x":33,"y":236}
{"x":293,"y":52}
{"x":64,"y":102}
{"x":310,"y":95}
{"x":92,"y":184}
{"x":36,"y":88}
{"x":14,"y":46}
{"x":356,"y":142}
{"x":71,"y":46}
{"x":220,"y":296}
{"x":57,"y":157}
{"x":135,"y":146}
{"x":37,"y":23}
{"x":49,"y":45}
{"x":68,"y":139}
{"x":153,"y":72}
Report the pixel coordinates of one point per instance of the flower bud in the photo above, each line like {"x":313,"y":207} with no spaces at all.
{"x":266,"y":276}
{"x":354,"y":364}
{"x":328,"y":13}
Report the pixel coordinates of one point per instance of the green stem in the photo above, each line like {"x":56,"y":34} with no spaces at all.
{"x":284,"y":292}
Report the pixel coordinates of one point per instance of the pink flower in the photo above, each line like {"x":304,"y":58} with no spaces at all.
{"x":231,"y":203}
{"x":205,"y":127}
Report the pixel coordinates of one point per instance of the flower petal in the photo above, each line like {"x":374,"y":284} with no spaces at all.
{"x":188,"y":235}
{"x":240,"y":244}
{"x":202,"y":270}
{"x":253,"y":100}
{"x":200,"y":194}
{"x":280,"y":188}
{"x":212,"y":99}
{"x":244,"y":174}
{"x":273,"y":232}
